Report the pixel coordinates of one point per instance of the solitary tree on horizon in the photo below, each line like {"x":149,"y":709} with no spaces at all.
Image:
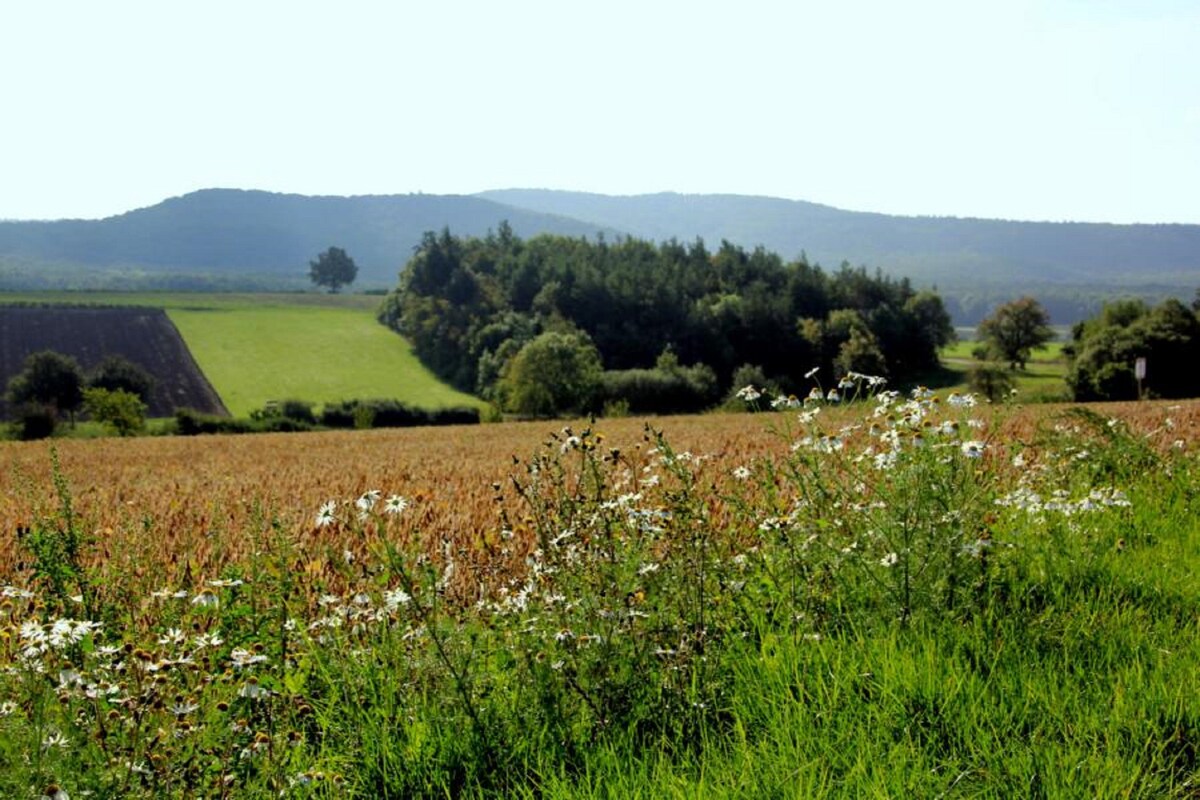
{"x":333,"y":269}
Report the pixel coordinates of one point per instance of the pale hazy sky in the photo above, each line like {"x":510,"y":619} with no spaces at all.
{"x":1075,"y":109}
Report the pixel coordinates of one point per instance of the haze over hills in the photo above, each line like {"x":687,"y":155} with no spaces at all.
{"x":219,"y":238}
{"x":230,"y":233}
{"x":950,"y":250}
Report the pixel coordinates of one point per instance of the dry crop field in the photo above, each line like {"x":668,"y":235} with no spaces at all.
{"x":171,"y":511}
{"x":176,"y":508}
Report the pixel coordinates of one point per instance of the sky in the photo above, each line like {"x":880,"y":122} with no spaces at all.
{"x":1085,"y":110}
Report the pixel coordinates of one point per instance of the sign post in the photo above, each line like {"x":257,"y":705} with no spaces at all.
{"x":1139,"y":372}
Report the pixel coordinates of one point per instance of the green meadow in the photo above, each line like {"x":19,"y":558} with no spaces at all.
{"x":256,"y":355}
{"x":1042,"y":379}
{"x":961,"y":350}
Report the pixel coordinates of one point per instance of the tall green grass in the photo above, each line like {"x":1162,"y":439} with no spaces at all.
{"x":902,"y":606}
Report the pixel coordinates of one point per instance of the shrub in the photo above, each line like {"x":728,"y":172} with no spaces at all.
{"x":614,"y":409}
{"x":364,"y":417}
{"x":861,"y":353}
{"x":380,"y":413}
{"x":189,"y":422}
{"x":33,"y":421}
{"x":282,"y":425}
{"x":660,"y":391}
{"x":193,"y":423}
{"x":121,"y":410}
{"x":291,"y":409}
{"x":992,"y":380}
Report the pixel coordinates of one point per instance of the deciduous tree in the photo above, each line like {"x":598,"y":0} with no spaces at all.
{"x":1105,"y":349}
{"x":116,"y":373}
{"x":50,"y":380}
{"x":556,"y":373}
{"x":1014,"y":329}
{"x":333,"y":269}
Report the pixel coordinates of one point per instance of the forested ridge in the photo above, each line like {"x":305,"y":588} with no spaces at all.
{"x":1071,"y":267}
{"x":668,"y":313}
{"x":986,"y":251}
{"x":221,"y":239}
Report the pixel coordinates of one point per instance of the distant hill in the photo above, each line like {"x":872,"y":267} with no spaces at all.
{"x":247,"y":237}
{"x":231,"y":239}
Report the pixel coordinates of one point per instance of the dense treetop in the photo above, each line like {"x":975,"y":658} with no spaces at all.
{"x":1015,"y":329}
{"x":471,"y":304}
{"x":1104,"y":350}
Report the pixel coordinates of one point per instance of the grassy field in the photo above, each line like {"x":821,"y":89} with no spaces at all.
{"x":1041,"y":380}
{"x":1050,"y":353}
{"x":255,"y":348}
{"x":935,"y":600}
{"x":255,"y":355}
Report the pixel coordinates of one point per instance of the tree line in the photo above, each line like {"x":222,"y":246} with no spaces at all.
{"x":557,"y":324}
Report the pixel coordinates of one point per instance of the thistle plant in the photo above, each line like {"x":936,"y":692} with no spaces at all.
{"x":612,"y":615}
{"x":886,"y":512}
{"x":58,"y":546}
